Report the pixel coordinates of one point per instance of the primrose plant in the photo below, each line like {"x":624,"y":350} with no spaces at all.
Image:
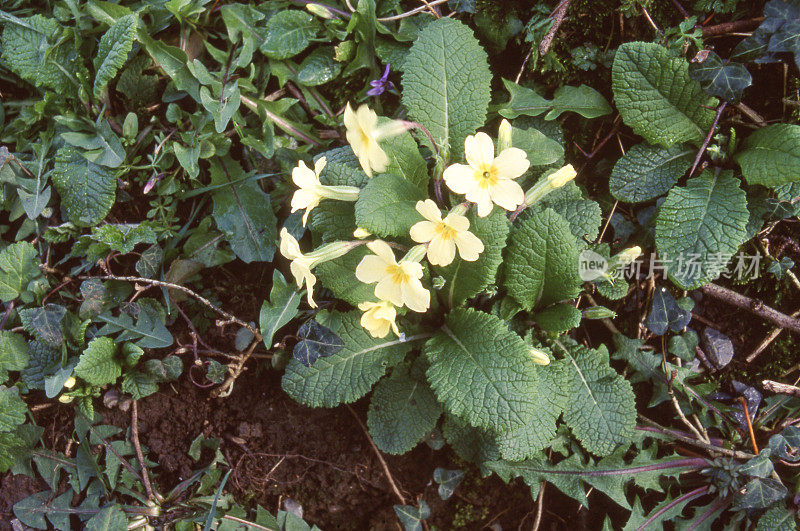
{"x":460,"y":274}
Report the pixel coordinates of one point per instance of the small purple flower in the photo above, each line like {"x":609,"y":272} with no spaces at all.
{"x":154,"y":180}
{"x":380,"y":85}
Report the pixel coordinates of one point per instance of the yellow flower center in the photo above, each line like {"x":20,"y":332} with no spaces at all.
{"x":487,"y":177}
{"x":399,"y":276}
{"x":445,"y":232}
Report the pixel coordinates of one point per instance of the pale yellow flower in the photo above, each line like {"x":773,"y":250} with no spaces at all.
{"x":300,"y":266}
{"x":363,"y":135}
{"x":398,"y":283}
{"x":443,"y":236}
{"x":539,"y":357}
{"x":310,"y":191}
{"x":378,"y":318}
{"x":488,"y":180}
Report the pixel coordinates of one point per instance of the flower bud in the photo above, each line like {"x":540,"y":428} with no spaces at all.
{"x":415,"y":254}
{"x":552,"y":182}
{"x":598,"y":312}
{"x":504,"y":136}
{"x":539,"y":356}
{"x":130,"y":127}
{"x":562,"y":176}
{"x":628,"y":256}
{"x":70,"y":383}
{"x":361,"y":233}
{"x":66,"y":399}
{"x":320,"y":11}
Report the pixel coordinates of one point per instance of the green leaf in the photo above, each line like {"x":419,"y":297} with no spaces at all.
{"x":778,"y":518}
{"x":469,"y":443}
{"x":446,"y":82}
{"x":464,"y":279}
{"x":316,"y":341}
{"x":319,"y":67}
{"x":173,"y":61}
{"x":241,"y":20}
{"x":599,"y":405}
{"x":19,"y":265}
{"x":339,"y":276}
{"x":760,"y":493}
{"x":724,"y":79}
{"x":123,"y":237}
{"x":150,"y":261}
{"x":13,"y":353}
{"x":87,"y":190}
{"x":541,"y":149}
{"x":448,"y":481}
{"x":646,"y":171}
{"x":350,"y":373}
{"x":138,"y":384}
{"x":411,"y":517}
{"x":482,"y":372}
{"x":704,"y":222}
{"x":542,"y":260}
{"x":113,"y":50}
{"x":12,"y":409}
{"x":44,"y":323}
{"x":558,"y":318}
{"x":771,"y":155}
{"x":523,"y":101}
{"x":583,"y":100}
{"x":41,"y":51}
{"x":402,"y":412}
{"x":110,"y":518}
{"x":222,"y":108}
{"x":405,"y":160}
{"x":288,"y":33}
{"x":97,"y":364}
{"x":284,"y":300}
{"x":242,"y":211}
{"x":147,"y":332}
{"x":385,"y":206}
{"x":102,"y":147}
{"x":657,"y":98}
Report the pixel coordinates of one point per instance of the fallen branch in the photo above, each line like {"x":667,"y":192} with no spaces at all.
{"x":752,"y":305}
{"x":781,"y":388}
{"x":732,"y":27}
{"x":558,"y":17}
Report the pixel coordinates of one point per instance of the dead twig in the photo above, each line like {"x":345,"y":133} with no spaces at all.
{"x":385,"y":467}
{"x":768,"y":340}
{"x":710,"y":134}
{"x":728,"y":27}
{"x":558,"y":17}
{"x":539,"y":506}
{"x":234,"y":370}
{"x":755,"y":306}
{"x":781,"y":388}
{"x":138,"y":447}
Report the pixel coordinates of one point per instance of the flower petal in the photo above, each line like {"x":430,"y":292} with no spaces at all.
{"x":441,"y":252}
{"x":350,"y":121}
{"x":319,"y":165}
{"x":482,"y":198}
{"x":456,"y":222}
{"x":507,"y":194}
{"x":382,"y":249}
{"x":423,"y":231}
{"x":304,"y":198}
{"x":511,"y":163}
{"x":303,"y":176}
{"x":388,"y":290}
{"x":289,"y":247}
{"x":417,"y":298}
{"x":429,"y":210}
{"x":371,"y":269}
{"x":460,"y":178}
{"x":479,"y":151}
{"x":469,"y":246}
{"x":378,"y":159}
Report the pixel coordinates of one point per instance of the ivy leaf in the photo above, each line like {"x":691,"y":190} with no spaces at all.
{"x":448,"y":481}
{"x":97,"y":364}
{"x":113,"y":50}
{"x":700,"y":226}
{"x":19,"y":265}
{"x":12,"y":409}
{"x":41,"y":51}
{"x":87,"y":190}
{"x":385,"y":206}
{"x":164,"y":370}
{"x":464,"y":279}
{"x":288,"y":33}
{"x":402,"y":412}
{"x":411,"y":517}
{"x":44,"y":323}
{"x":759,"y":493}
{"x":242,"y":211}
{"x":647,"y":171}
{"x":13,"y":353}
{"x":150,"y":261}
{"x":723,"y":79}
{"x":482,"y":372}
{"x":771,"y":155}
{"x":599,"y":405}
{"x":284,"y":301}
{"x":348,"y":374}
{"x":542,"y":260}
{"x":657,"y":98}
{"x":316,"y":341}
{"x":446,"y":82}
{"x":665,"y":314}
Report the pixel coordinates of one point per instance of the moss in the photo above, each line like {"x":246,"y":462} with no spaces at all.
{"x":467,"y":514}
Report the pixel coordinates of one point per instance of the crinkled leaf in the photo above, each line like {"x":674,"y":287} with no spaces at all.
{"x":339,"y":276}
{"x":288,"y":33}
{"x":542,"y":260}
{"x":12,"y":409}
{"x":657,"y":98}
{"x":44,"y":361}
{"x":13,"y":353}
{"x":87,"y":190}
{"x":316,"y":341}
{"x":138,"y":384}
{"x":405,"y":160}
{"x":402,"y":412}
{"x":647,"y":171}
{"x":777,"y":518}
{"x":284,"y":301}
{"x":44,"y":323}
{"x":468,"y":442}
{"x":113,"y":50}
{"x":446,"y":82}
{"x":482,"y":372}
{"x":350,"y":373}
{"x":385,"y":206}
{"x":19,"y":265}
{"x":771,"y":155}
{"x":242,"y":211}
{"x":699,"y":227}
{"x":97,"y":364}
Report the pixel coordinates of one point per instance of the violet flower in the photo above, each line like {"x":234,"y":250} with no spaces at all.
{"x":380,"y":85}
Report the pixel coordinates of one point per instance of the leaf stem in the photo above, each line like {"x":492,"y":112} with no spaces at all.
{"x":696,"y":493}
